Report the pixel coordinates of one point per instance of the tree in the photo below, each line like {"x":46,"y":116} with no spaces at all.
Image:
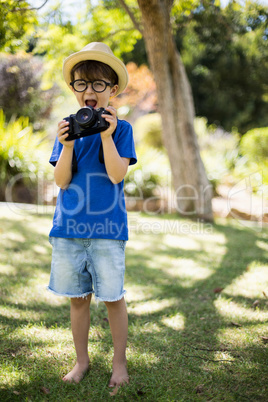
{"x":17,"y":19}
{"x":176,"y":107}
{"x":225,"y":53}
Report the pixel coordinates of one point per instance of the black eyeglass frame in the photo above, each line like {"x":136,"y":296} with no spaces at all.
{"x":107,"y":84}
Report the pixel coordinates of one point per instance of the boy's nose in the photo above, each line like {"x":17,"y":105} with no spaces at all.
{"x":89,"y":88}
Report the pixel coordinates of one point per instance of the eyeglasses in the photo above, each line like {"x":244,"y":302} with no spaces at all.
{"x":97,"y":86}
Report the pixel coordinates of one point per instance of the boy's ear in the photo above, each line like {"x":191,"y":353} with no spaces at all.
{"x":114,"y":90}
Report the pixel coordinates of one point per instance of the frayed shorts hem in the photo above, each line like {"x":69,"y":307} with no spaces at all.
{"x":83,"y":295}
{"x":67,"y":295}
{"x":105,"y":299}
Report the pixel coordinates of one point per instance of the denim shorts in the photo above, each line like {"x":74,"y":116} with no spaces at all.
{"x":83,"y":266}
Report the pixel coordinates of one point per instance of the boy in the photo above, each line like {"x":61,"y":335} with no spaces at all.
{"x":89,"y":230}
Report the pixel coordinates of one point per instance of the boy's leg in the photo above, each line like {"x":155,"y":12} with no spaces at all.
{"x":118,"y":320}
{"x":80,"y":321}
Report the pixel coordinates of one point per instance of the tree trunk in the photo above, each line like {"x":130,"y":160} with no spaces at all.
{"x":192,"y":189}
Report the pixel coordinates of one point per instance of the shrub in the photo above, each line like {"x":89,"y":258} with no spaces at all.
{"x":21,"y":152}
{"x":148,"y":130}
{"x":253,"y":162}
{"x":219,"y":151}
{"x":151,"y":171}
{"x":20,"y":89}
{"x":254,"y":145}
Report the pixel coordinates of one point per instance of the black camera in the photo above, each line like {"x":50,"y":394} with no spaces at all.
{"x":86,"y":121}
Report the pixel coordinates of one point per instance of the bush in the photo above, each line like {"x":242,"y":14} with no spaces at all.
{"x":144,"y":178}
{"x":219,"y":151}
{"x":151,"y":171}
{"x":254,"y":145}
{"x":22,"y":152}
{"x":148,"y":130}
{"x":20,"y":89}
{"x":253,"y":162}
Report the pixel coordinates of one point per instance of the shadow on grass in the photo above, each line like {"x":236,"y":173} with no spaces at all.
{"x":164,"y":363}
{"x":191,"y":346}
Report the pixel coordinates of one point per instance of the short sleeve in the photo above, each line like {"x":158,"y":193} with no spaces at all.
{"x":57,"y":148}
{"x":124,"y":141}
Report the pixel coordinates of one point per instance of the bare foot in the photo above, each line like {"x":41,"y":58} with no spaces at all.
{"x":77,"y":373}
{"x":119,"y":376}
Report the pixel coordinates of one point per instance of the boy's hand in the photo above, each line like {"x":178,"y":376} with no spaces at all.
{"x":111,"y":118}
{"x":63,"y":126}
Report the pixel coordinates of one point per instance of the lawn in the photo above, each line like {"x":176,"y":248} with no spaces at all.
{"x":197,"y":297}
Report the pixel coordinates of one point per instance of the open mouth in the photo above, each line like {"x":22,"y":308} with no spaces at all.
{"x":91,"y":102}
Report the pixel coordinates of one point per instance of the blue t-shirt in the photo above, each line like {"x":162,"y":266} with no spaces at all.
{"x":92,"y":206}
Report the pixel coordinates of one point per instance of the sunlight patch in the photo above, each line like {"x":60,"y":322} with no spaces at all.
{"x":151,"y":306}
{"x":138,"y":245}
{"x":261,"y":244}
{"x":42,"y":227}
{"x":150,"y":327}
{"x":237,"y":312}
{"x":7,"y":211}
{"x":188,"y":271}
{"x":224,"y":356}
{"x":162,"y":262}
{"x":186,"y":242}
{"x":217,"y":238}
{"x":52,"y":299}
{"x":33,"y":291}
{"x":141,"y":357}
{"x":12,"y":374}
{"x":241,"y":337}
{"x":36,"y":333}
{"x":175,"y":322}
{"x":18,"y":314}
{"x":39,"y":249}
{"x":252,"y":283}
{"x":15,"y":237}
{"x":137,"y":293}
{"x":7,"y":269}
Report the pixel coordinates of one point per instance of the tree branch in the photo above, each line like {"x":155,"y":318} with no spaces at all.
{"x":131,"y":16}
{"x":205,"y":358}
{"x":222,"y":349}
{"x":29,"y":8}
{"x":101,"y":39}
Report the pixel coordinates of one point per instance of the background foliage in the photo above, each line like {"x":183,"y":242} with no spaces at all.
{"x":21,"y":92}
{"x":17,"y":21}
{"x":24,"y":156}
{"x":224,"y":50}
{"x":225,"y":54}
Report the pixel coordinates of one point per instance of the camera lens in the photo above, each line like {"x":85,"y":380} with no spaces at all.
{"x":85,"y":117}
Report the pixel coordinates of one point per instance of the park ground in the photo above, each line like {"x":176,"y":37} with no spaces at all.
{"x":197,"y":297}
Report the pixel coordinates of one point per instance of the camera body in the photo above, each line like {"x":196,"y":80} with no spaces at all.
{"x":86,"y":121}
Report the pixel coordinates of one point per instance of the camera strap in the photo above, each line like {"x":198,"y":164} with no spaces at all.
{"x":74,"y":163}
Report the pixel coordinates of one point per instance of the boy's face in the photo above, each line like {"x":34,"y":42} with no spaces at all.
{"x":95,"y":99}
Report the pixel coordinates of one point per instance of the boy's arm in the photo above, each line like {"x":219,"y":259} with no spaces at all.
{"x":115,"y":165}
{"x":63,"y":168}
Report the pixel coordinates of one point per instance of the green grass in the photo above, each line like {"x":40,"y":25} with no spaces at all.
{"x":186,"y":343}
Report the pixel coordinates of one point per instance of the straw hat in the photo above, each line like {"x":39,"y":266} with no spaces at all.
{"x":99,"y":52}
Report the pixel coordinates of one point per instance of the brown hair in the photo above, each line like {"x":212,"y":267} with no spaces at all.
{"x":93,"y":70}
